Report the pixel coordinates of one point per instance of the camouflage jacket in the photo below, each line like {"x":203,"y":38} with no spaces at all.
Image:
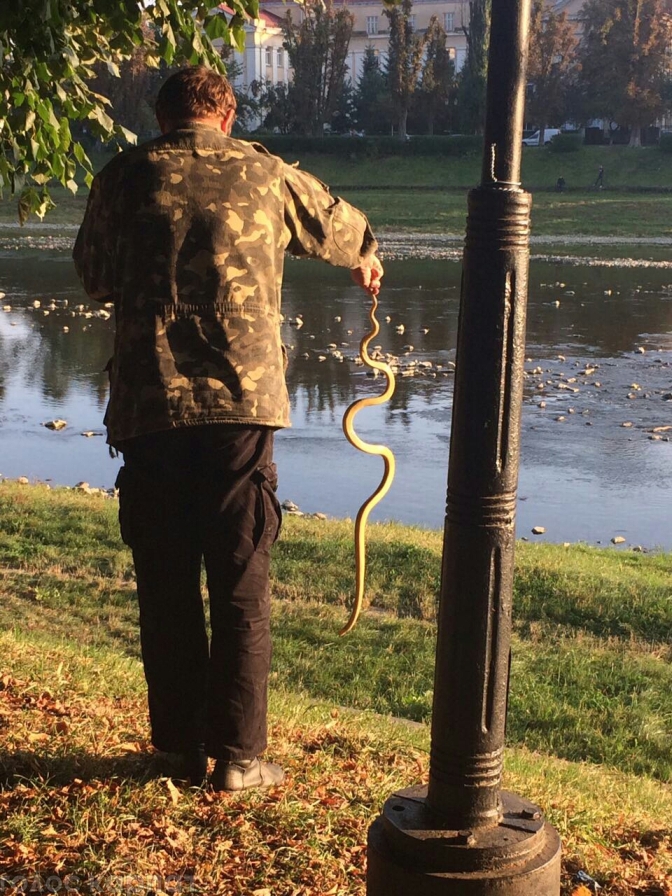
{"x":186,"y":235}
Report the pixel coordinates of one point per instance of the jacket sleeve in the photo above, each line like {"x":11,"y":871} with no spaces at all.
{"x":93,"y":253}
{"x":323,"y":226}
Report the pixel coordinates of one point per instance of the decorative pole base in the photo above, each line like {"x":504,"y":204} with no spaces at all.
{"x":407,"y":856}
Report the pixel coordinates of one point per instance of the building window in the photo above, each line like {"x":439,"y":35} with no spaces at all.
{"x":449,"y":21}
{"x":372,"y":24}
{"x":269,"y":56}
{"x":281,"y":57}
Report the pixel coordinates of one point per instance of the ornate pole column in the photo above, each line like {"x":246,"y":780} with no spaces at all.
{"x":462,"y":835}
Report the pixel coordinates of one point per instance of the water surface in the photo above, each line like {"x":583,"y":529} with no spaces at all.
{"x":586,"y":477}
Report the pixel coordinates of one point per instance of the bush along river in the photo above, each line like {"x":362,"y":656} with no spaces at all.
{"x":597,"y":417}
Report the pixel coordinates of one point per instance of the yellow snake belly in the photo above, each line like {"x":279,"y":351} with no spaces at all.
{"x":380,"y":450}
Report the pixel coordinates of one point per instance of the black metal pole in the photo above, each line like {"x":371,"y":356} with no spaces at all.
{"x":462,"y":834}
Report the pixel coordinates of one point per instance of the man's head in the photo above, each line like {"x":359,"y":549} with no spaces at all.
{"x":196,"y":94}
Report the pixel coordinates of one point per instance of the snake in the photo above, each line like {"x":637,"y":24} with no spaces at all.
{"x":379,"y":450}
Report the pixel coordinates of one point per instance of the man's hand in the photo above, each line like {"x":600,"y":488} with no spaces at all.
{"x":369,"y":274}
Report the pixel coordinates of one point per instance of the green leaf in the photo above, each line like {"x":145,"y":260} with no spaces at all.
{"x":217,"y":27}
{"x":238,"y":33}
{"x":64,"y":132}
{"x":129,"y":136}
{"x":27,"y":200}
{"x":81,"y":156}
{"x":103,"y":119}
{"x":113,"y":68}
{"x":73,"y":186}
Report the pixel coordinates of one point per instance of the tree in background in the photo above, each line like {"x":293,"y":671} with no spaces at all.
{"x":372,"y":98}
{"x":344,"y":116}
{"x":48,"y":51}
{"x":404,"y":61}
{"x":273,"y":106}
{"x":131,"y":91}
{"x":624,"y":57}
{"x":550,"y":67}
{"x":438,"y":73}
{"x":318,"y":51}
{"x":471,"y":88}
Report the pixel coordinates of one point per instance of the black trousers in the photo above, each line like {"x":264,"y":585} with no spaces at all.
{"x":188,"y":495}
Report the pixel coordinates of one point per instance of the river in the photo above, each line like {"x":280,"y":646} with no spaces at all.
{"x":599,"y":373}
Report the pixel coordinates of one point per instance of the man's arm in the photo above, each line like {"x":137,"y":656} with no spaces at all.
{"x":326,"y":227}
{"x":92,"y":253}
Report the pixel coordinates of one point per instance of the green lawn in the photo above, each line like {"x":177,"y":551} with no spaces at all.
{"x":582,"y":211}
{"x":590,"y":717}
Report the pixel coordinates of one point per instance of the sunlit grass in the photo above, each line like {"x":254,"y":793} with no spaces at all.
{"x":582,"y":211}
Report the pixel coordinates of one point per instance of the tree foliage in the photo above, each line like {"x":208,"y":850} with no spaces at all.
{"x":625,"y":61}
{"x":372,"y":101}
{"x":471,"y":95}
{"x":48,"y":55}
{"x":404,"y":61}
{"x":318,"y":51}
{"x":438,"y":73}
{"x":550,"y":67}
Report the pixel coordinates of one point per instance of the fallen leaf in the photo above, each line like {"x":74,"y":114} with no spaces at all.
{"x":173,"y":791}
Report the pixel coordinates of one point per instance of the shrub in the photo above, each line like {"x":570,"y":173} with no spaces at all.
{"x":566,"y":143}
{"x":666,"y":142}
{"x":290,"y":145}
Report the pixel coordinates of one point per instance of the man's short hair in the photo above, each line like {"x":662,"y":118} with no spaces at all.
{"x":194,"y":92}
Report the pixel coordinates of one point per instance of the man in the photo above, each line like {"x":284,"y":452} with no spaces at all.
{"x":186,"y":235}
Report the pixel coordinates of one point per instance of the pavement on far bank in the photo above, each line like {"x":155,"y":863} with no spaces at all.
{"x":399,"y":245}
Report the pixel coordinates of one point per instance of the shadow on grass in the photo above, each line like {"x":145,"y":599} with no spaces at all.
{"x":78,"y":767}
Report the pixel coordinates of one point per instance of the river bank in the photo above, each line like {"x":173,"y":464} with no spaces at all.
{"x":629,"y":205}
{"x":627,"y":250}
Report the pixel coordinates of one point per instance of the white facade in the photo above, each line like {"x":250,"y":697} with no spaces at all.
{"x":264,"y":58}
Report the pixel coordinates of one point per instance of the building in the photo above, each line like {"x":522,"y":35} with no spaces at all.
{"x":265,"y":59}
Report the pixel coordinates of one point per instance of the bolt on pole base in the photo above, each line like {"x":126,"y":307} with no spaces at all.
{"x":407,"y":856}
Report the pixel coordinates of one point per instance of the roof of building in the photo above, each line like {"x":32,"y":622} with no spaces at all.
{"x":265,"y":15}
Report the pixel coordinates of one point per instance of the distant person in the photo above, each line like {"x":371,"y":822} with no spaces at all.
{"x":187,"y":235}
{"x":560,"y":185}
{"x":599,"y":180}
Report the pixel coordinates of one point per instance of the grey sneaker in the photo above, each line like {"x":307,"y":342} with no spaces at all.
{"x":244,"y":775}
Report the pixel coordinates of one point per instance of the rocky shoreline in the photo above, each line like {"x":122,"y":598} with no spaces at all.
{"x":395,"y":245}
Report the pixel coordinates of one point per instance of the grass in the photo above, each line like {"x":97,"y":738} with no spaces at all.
{"x":74,"y":733}
{"x":589,"y":726}
{"x":582,"y":211}
{"x":624,"y":168}
{"x":592,"y":662}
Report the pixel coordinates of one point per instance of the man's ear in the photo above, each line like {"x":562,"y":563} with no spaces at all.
{"x":227,"y":121}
